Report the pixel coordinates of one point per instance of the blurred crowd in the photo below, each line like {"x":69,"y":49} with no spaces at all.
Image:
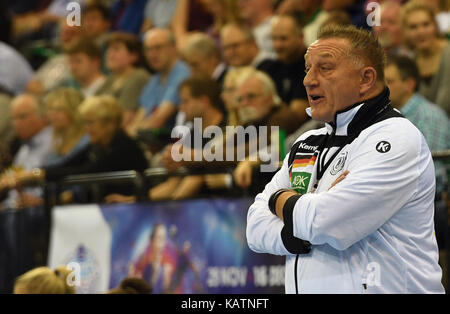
{"x":108,"y":93}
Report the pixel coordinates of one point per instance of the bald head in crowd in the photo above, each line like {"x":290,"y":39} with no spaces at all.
{"x":287,"y":38}
{"x":238,"y":45}
{"x":28,"y":116}
{"x":202,"y":54}
{"x":160,"y":49}
{"x":389,"y":32}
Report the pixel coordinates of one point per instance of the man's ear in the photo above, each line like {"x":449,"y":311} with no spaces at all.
{"x":411,"y":84}
{"x":368,"y":79}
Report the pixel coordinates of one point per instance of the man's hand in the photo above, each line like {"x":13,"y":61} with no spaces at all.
{"x":168,"y":161}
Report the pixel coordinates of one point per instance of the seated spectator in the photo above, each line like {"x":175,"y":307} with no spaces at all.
{"x":232,"y":81}
{"x":43,"y":280}
{"x":239,"y":47}
{"x":199,"y":99}
{"x":159,"y":99}
{"x":203,"y":56}
{"x":355,"y":8}
{"x":259,"y":105}
{"x":55,"y":72}
{"x":309,"y":12}
{"x":402,"y":77}
{"x":127,"y":78}
{"x":258,"y":14}
{"x":288,"y":70}
{"x":127,"y":16}
{"x":432,"y":52}
{"x":85,"y":60}
{"x":15,"y":71}
{"x":132,"y":285}
{"x":96,"y":22}
{"x":31,"y":127}
{"x":389,"y":32}
{"x":159,"y":14}
{"x":68,"y":134}
{"x":110,"y":149}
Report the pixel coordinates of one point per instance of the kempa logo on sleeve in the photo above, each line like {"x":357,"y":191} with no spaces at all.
{"x":383,"y":147}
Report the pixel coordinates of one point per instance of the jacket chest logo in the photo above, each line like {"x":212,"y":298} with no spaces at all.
{"x":339,"y":163}
{"x":300,"y":174}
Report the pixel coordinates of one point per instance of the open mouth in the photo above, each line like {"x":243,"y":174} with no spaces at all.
{"x":315,"y":98}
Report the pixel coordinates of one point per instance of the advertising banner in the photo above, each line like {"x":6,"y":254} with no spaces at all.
{"x":195,"y":246}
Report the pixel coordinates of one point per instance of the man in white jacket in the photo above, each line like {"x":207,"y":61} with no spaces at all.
{"x":352,"y":206}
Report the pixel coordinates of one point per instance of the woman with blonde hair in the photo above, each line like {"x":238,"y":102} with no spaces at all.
{"x":61,"y":106}
{"x":421,"y":33}
{"x":43,"y":280}
{"x":110,"y":148}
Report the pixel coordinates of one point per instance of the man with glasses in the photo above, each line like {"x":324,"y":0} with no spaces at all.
{"x":160,"y":98}
{"x":239,"y":47}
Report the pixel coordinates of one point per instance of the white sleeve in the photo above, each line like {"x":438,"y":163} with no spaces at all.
{"x":263,"y":227}
{"x":377,"y":186}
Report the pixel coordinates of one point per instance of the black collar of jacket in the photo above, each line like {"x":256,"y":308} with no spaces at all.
{"x":370,"y":112}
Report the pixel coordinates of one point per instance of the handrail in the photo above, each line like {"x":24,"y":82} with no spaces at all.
{"x":441,"y":154}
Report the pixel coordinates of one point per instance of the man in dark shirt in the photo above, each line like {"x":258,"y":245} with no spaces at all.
{"x":288,"y":70}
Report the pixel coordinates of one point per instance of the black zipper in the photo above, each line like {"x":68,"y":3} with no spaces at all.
{"x":295,"y":273}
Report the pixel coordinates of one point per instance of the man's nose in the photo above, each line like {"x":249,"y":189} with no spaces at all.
{"x":310,"y":79}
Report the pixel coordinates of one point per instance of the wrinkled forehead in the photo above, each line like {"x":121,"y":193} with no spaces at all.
{"x":331,"y":48}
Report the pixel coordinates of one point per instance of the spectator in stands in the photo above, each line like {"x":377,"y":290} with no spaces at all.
{"x":402,"y":77}
{"x":85,"y":60}
{"x":15,"y":71}
{"x":132,"y":285}
{"x":96,"y":22}
{"x":389,"y":32}
{"x":159,"y":99}
{"x":199,"y":99}
{"x":127,"y":15}
{"x":432,"y":52}
{"x":43,"y":280}
{"x":127,"y":78}
{"x":203,"y":56}
{"x":232,"y":81}
{"x":288,"y":70}
{"x":158,"y":13}
{"x":311,"y":15}
{"x":31,"y":126}
{"x":259,"y":105}
{"x":239,"y":47}
{"x":55,"y":72}
{"x":258,"y":14}
{"x":110,"y":148}
{"x":355,"y":8}
{"x":68,"y":135}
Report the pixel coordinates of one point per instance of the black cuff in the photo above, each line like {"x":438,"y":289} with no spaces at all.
{"x":273,"y":200}
{"x":292,"y":244}
{"x":288,"y":210}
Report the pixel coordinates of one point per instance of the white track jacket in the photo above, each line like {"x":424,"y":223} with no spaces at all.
{"x":374,"y":231}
